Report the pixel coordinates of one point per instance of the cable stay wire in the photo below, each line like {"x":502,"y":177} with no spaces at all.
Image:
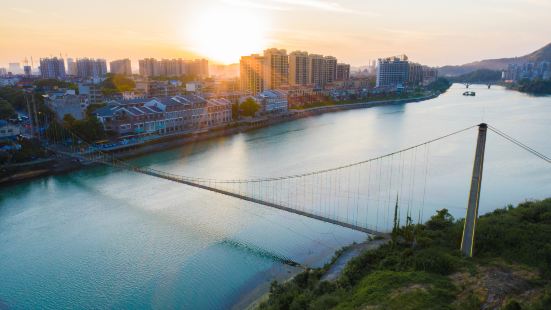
{"x":520,"y":144}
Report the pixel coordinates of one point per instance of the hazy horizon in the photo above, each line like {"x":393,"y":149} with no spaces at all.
{"x":429,"y":31}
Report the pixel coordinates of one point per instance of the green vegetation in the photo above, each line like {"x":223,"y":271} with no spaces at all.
{"x":422,"y":268}
{"x":116,"y":84}
{"x":14,"y":96}
{"x":370,"y":98}
{"x":6,"y":109}
{"x":89,"y":129}
{"x":478,"y":76}
{"x":30,"y":150}
{"x":54,"y":84}
{"x":249,"y":107}
{"x":440,"y":85}
{"x":235,"y":111}
{"x":91,"y":109}
{"x":536,"y":87}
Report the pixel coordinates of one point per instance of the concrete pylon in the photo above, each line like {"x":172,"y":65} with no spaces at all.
{"x":467,"y":242}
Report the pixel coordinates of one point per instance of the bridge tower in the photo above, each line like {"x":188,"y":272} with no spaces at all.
{"x":467,"y":242}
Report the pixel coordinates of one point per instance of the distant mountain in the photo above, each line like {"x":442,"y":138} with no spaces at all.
{"x":477,"y":76}
{"x":543,"y":54}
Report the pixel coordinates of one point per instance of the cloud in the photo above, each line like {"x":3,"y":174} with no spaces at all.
{"x":288,"y":5}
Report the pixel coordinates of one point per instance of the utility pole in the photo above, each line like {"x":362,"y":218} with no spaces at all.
{"x":37,"y":121}
{"x":467,"y":242}
{"x":29,"y":111}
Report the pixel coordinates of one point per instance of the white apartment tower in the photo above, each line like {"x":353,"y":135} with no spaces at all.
{"x":71,"y":67}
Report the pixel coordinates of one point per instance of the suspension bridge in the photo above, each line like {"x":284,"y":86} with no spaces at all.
{"x":362,"y":196}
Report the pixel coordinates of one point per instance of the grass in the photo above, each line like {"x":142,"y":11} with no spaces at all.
{"x":421,"y":268}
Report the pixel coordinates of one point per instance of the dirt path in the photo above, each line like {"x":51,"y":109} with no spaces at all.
{"x":336,"y":269}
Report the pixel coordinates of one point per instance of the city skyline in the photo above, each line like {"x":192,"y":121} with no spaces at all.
{"x":224,"y":30}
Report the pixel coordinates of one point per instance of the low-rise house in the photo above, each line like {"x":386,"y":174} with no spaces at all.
{"x":273,"y":101}
{"x":219,"y":111}
{"x":164,"y":115}
{"x":125,"y":120}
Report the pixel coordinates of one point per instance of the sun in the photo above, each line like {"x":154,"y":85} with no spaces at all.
{"x":225,"y":34}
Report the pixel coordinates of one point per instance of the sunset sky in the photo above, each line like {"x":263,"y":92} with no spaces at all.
{"x":433,"y":32}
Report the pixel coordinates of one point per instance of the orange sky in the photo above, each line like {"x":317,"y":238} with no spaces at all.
{"x":428,"y":31}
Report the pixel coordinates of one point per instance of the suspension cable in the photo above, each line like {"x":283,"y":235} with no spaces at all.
{"x":126,"y":165}
{"x":520,"y":144}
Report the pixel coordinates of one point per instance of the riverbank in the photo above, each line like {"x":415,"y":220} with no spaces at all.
{"x":11,"y":174}
{"x":536,"y":88}
{"x":331,"y":271}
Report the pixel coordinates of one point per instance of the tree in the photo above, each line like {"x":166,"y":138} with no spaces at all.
{"x":6,"y":109}
{"x":14,"y":96}
{"x":93,"y":107}
{"x":68,"y":120}
{"x":116,"y":83}
{"x":235,"y":111}
{"x":55,"y":83}
{"x":249,"y":107}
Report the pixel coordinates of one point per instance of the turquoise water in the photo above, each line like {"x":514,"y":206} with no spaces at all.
{"x":104,"y":238}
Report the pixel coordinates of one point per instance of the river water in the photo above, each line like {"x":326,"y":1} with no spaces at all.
{"x":104,"y":238}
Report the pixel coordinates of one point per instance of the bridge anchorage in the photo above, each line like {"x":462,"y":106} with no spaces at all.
{"x":361,"y":196}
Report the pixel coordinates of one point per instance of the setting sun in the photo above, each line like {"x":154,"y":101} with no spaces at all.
{"x":224,"y":35}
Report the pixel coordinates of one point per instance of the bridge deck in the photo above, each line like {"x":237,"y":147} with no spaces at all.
{"x":255,"y":200}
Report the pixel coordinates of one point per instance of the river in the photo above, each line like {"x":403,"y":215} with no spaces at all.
{"x":105,"y":238}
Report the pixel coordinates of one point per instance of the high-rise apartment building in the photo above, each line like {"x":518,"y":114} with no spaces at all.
{"x":316,"y":69}
{"x":174,"y":67}
{"x":276,"y":68}
{"x":392,"y":71}
{"x":198,"y":68}
{"x":52,"y":68}
{"x":251,"y":70}
{"x":298,"y":68}
{"x":91,"y":68}
{"x":149,"y":67}
{"x":171,"y":67}
{"x":330,"y":69}
{"x":71,"y":67}
{"x":122,"y":67}
{"x":343,"y":72}
{"x":3,"y":72}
